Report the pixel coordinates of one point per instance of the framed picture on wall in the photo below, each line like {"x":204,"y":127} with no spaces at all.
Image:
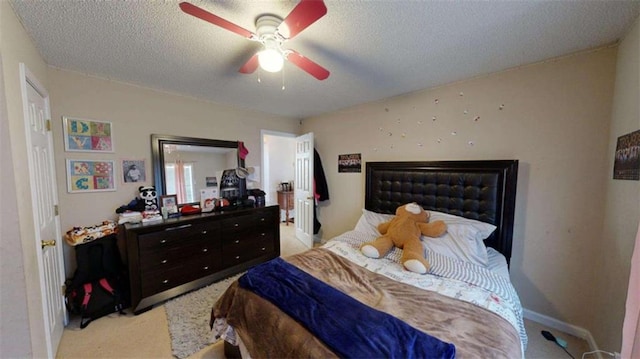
{"x":626,"y":165}
{"x":90,"y":176}
{"x":83,"y":135}
{"x":350,"y":163}
{"x":133,"y":171}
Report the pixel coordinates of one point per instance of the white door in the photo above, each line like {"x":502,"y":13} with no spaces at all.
{"x":303,"y":193}
{"x":39,"y":140}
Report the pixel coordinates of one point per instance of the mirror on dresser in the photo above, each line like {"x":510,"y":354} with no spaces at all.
{"x":185,"y":165}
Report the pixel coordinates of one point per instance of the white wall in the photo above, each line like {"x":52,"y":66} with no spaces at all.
{"x":280,"y":150}
{"x":14,"y":330}
{"x":136,"y":113}
{"x":621,"y":210}
{"x":24,"y":337}
{"x":555,"y":120}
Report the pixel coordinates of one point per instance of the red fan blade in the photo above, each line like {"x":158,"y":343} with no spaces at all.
{"x":250,"y":66}
{"x":304,"y":14}
{"x":216,"y":20}
{"x":307,"y":65}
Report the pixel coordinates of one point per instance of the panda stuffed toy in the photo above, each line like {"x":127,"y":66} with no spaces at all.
{"x":149,"y":196}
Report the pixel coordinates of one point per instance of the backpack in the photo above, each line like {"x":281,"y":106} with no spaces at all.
{"x":94,"y":300}
{"x":99,"y":285}
{"x":97,"y":259}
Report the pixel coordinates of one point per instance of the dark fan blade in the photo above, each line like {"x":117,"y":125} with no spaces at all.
{"x":304,"y":14}
{"x":250,"y":66}
{"x":216,"y":20}
{"x":307,"y":65}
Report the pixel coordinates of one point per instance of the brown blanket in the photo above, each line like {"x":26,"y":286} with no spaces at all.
{"x":268,"y":332}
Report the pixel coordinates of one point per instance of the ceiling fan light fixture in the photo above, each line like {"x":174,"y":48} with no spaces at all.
{"x":270,"y":60}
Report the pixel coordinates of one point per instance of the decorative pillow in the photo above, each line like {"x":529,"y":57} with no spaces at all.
{"x":463,"y":240}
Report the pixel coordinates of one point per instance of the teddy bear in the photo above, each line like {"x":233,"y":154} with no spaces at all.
{"x":150,"y":197}
{"x":403,"y":231}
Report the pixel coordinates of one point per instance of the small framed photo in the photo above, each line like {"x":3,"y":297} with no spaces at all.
{"x":133,"y":171}
{"x":170,"y":202}
{"x":83,"y":135}
{"x":90,"y":176}
{"x":626,"y":165}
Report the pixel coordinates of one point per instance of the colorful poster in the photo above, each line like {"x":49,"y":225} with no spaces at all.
{"x":81,"y":135}
{"x":90,"y":176}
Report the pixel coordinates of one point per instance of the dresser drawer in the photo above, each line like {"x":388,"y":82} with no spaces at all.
{"x":188,"y":250}
{"x":240,"y":250}
{"x":243,"y":223}
{"x":175,"y":236}
{"x":157,"y":281}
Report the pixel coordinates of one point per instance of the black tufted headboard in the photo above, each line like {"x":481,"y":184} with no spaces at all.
{"x":482,"y":190}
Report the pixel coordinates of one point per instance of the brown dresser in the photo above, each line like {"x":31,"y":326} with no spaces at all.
{"x":174,"y":256}
{"x":285,"y":200}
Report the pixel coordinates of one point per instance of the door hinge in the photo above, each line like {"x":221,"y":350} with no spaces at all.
{"x":64,"y":289}
{"x":55,"y":209}
{"x":48,"y":125}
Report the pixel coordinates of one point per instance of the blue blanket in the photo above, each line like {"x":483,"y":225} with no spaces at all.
{"x":348,"y":327}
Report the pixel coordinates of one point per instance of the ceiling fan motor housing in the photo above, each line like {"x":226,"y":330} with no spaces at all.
{"x":266,"y":26}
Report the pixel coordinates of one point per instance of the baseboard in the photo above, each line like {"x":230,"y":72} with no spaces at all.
{"x":561,"y":326}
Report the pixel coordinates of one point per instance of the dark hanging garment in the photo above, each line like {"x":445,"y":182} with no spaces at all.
{"x":320,"y":188}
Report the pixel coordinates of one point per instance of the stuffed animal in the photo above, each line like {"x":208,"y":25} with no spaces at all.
{"x":404,"y":231}
{"x":150,"y":197}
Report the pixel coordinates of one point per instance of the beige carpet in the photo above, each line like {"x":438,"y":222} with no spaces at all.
{"x":147,"y":335}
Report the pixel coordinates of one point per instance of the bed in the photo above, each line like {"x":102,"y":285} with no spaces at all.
{"x":465,"y":306}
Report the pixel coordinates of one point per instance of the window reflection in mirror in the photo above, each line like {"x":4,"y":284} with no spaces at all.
{"x":190,"y":168}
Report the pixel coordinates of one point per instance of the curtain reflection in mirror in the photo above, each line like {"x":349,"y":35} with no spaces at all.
{"x":179,"y":178}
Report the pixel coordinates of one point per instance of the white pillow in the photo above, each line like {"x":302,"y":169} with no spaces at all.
{"x":463,"y":240}
{"x":369,"y":221}
{"x":482,"y":229}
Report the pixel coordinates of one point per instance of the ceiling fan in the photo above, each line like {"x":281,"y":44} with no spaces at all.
{"x":272,"y":32}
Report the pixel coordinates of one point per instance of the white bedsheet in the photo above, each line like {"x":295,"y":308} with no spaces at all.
{"x":485,"y":288}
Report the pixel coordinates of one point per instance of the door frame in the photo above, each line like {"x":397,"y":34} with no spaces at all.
{"x":263,"y":162}
{"x":41,"y":341}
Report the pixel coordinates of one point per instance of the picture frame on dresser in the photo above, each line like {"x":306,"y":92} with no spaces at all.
{"x":169,"y":203}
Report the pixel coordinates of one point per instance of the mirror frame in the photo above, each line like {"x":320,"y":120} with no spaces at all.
{"x":157,"y":155}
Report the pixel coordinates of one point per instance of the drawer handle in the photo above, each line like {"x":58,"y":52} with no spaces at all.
{"x":205,"y":268}
{"x":262,"y":219}
{"x":164,"y":261}
{"x":204,"y":250}
{"x":236,"y":225}
{"x":264,"y":249}
{"x":163,"y":241}
{"x":165,"y":281}
{"x":204,"y":232}
{"x":178,"y":227}
{"x":237,"y":257}
{"x":263,"y":234}
{"x":237,"y":241}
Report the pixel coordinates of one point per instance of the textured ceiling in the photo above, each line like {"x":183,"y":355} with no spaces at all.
{"x":373,"y":49}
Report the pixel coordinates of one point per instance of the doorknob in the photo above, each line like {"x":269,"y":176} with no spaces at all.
{"x":49,"y":243}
